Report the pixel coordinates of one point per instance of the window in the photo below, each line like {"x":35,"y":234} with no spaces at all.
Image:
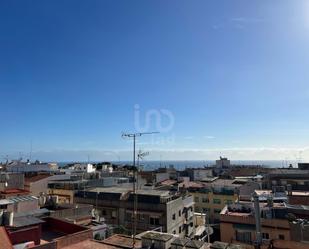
{"x":205,"y":200}
{"x":114,"y":214}
{"x":174,"y":232}
{"x":243,"y":236}
{"x":179,"y":229}
{"x":229,"y":202}
{"x":196,"y":199}
{"x":154,"y":221}
{"x":217,"y":210}
{"x":206,"y":210}
{"x":217,"y":201}
{"x":103,"y":212}
{"x":216,"y":220}
{"x":281,"y":236}
{"x":141,"y":217}
{"x":174,"y":216}
{"x":265,"y":235}
{"x":179,"y":213}
{"x":129,"y":216}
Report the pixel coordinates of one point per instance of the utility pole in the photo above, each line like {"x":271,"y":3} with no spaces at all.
{"x":207,"y":226}
{"x":134,"y":136}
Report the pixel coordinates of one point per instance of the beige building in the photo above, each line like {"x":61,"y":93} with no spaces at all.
{"x":211,"y":197}
{"x":238,"y":225}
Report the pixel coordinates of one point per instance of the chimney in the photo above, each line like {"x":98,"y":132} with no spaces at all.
{"x":8,"y":218}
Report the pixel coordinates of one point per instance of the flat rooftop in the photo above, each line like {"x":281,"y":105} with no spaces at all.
{"x":113,"y":242}
{"x":118,"y":190}
{"x":122,"y":241}
{"x":157,"y":236}
{"x":89,"y":244}
{"x":15,"y":191}
{"x":29,"y":179}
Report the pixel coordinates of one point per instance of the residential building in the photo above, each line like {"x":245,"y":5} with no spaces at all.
{"x":198,"y":174}
{"x":80,"y":214}
{"x":303,"y":166}
{"x":11,"y":180}
{"x":211,"y":197}
{"x":156,"y":209}
{"x":298,"y":179}
{"x":37,"y":166}
{"x":66,"y":188}
{"x":37,"y":184}
{"x":238,"y":225}
{"x":223,"y":162}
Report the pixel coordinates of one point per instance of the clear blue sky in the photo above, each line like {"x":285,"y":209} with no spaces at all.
{"x":233,"y":74}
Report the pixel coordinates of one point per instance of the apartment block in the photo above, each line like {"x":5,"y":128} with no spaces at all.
{"x":169,"y":212}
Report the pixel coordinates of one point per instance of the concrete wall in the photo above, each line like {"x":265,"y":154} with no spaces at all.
{"x":40,"y":186}
{"x":25,"y":235}
{"x":228,"y":232}
{"x":212,"y":207}
{"x":14,"y":181}
{"x":123,"y":211}
{"x":65,"y":196}
{"x":199,"y":174}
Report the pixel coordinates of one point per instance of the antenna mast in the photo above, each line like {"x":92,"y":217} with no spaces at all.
{"x":134,"y":136}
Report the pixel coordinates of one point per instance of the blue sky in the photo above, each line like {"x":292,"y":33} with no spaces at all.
{"x":228,"y":77}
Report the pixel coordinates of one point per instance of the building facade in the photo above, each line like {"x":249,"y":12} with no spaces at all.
{"x":172,"y":213}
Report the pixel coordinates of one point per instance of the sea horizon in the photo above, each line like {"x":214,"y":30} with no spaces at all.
{"x":182,"y":164}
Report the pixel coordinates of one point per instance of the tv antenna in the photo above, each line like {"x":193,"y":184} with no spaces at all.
{"x":140,"y":156}
{"x":134,"y":136}
{"x":30,"y":154}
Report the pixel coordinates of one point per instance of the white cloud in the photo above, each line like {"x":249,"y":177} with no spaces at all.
{"x":209,"y":137}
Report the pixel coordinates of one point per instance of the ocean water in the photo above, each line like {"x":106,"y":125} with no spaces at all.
{"x":151,"y":165}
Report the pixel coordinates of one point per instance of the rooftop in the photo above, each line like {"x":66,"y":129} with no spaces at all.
{"x":29,"y":179}
{"x":276,"y":196}
{"x":118,"y":190}
{"x":22,"y":198}
{"x":122,"y":241}
{"x":168,"y":182}
{"x":157,"y":236}
{"x":5,"y":202}
{"x":24,"y":221}
{"x":89,"y":244}
{"x":223,"y":245}
{"x":195,"y":244}
{"x":113,"y":242}
{"x":14,"y":191}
